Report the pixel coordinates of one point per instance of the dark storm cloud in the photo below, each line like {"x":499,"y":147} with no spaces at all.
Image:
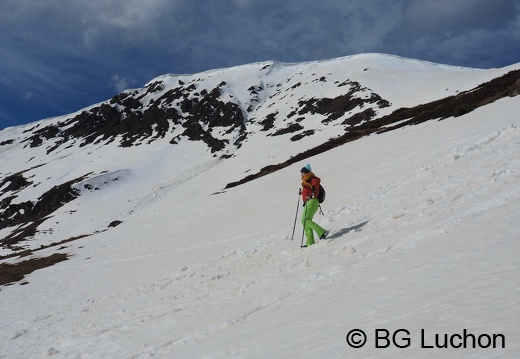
{"x":476,"y":33}
{"x":59,"y":56}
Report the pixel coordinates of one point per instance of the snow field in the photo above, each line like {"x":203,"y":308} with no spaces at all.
{"x":424,"y":236}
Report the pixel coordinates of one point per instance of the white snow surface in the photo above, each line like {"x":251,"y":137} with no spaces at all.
{"x":425,"y":237}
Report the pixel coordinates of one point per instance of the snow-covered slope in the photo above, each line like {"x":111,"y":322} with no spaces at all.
{"x":164,"y":262}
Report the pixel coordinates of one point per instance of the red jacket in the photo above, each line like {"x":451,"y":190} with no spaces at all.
{"x":311,"y":186}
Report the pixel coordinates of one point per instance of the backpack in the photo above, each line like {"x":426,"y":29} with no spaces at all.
{"x":321,"y":194}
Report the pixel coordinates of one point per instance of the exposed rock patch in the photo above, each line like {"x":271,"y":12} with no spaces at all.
{"x":452,"y":106}
{"x":10,"y":273}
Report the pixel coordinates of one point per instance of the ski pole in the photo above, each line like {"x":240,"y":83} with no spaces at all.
{"x":296,"y":217}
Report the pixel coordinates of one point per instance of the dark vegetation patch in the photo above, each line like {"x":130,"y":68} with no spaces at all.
{"x":335,"y":108}
{"x":293,"y":127}
{"x":302,"y":135}
{"x":210,"y":112}
{"x":131,"y":120}
{"x":28,"y":215}
{"x":22,"y":233}
{"x":134,"y":122}
{"x":331,"y":108}
{"x":16,"y":182}
{"x":268,"y":122}
{"x":253,"y":93}
{"x":28,"y":252}
{"x":154,"y":87}
{"x":360,"y":117}
{"x":114,"y":223}
{"x":10,"y":273}
{"x":253,"y":90}
{"x":7,"y":142}
{"x":452,"y":106}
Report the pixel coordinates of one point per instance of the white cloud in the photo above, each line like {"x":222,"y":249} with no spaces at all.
{"x":121,"y":83}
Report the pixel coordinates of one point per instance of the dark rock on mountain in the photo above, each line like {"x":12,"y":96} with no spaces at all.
{"x":336,"y":107}
{"x":452,"y":106}
{"x":20,"y":214}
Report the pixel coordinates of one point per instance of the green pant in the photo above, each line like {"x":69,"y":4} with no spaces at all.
{"x":311,"y":207}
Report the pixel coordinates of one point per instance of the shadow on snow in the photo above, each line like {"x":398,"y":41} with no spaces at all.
{"x":342,"y":232}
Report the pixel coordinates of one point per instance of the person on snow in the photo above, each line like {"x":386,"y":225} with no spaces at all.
{"x":309,"y":192}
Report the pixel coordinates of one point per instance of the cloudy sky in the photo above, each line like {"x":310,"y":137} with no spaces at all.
{"x":58,"y":56}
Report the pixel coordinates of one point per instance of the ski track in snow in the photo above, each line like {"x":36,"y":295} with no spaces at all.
{"x":145,"y":197}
